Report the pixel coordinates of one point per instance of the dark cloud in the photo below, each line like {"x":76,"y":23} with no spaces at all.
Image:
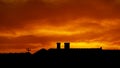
{"x":16,"y":16}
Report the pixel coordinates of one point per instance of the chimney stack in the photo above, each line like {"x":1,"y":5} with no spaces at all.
{"x":67,"y":45}
{"x":58,"y":45}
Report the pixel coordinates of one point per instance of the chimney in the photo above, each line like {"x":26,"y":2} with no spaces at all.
{"x":67,"y":45}
{"x":58,"y":45}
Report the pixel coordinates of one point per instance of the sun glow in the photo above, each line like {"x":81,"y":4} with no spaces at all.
{"x":86,"y":44}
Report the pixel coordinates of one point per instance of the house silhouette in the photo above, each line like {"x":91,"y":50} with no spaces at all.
{"x":64,"y":56}
{"x":67,"y":46}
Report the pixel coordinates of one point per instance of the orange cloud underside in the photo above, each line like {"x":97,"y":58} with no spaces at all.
{"x":81,"y":34}
{"x":40,"y":24}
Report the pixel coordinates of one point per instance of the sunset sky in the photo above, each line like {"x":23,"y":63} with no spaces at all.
{"x":40,"y":24}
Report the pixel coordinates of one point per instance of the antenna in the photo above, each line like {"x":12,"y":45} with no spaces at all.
{"x":28,"y":49}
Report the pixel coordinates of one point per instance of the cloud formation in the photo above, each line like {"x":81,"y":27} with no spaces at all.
{"x":40,"y":23}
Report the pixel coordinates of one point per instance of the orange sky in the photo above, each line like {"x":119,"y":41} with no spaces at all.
{"x":39,"y":24}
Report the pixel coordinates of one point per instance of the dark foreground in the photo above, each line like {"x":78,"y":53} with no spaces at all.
{"x":53,"y":57}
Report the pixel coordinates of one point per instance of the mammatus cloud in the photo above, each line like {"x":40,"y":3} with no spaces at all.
{"x":41,"y":23}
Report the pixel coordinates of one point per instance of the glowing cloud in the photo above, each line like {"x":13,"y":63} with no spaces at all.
{"x":41,"y":23}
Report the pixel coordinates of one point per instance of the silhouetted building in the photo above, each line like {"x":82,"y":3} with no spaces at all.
{"x":67,"y":45}
{"x":58,"y":45}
